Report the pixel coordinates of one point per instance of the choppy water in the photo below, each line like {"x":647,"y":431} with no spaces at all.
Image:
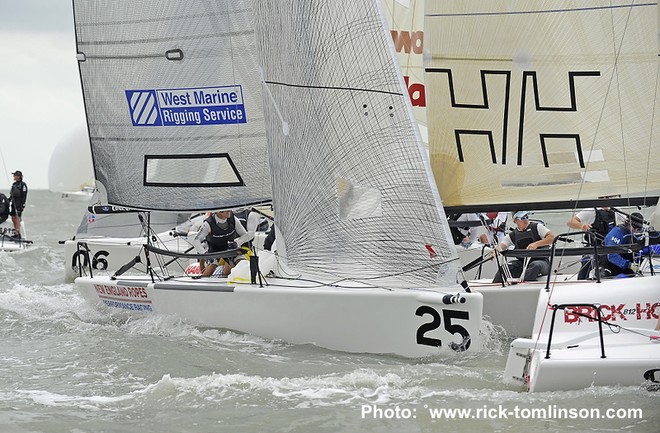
{"x":68,"y":367}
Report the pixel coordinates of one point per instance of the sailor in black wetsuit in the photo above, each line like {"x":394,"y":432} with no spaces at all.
{"x":18,"y":196}
{"x":222,"y":231}
{"x":531,"y":236}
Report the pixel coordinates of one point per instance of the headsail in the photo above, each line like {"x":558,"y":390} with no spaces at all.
{"x":173,"y":100}
{"x":543,"y":101}
{"x":352,"y":189}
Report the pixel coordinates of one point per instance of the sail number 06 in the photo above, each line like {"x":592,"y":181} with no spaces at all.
{"x":452,"y":328}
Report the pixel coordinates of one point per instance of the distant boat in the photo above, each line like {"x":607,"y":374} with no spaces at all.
{"x":84,"y":194}
{"x":70,"y":171}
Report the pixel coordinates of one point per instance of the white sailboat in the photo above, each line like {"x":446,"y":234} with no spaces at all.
{"x":106,"y":238}
{"x":8,"y":240}
{"x":549,"y":105}
{"x":113,"y":239}
{"x":70,"y":167}
{"x":364,"y":264}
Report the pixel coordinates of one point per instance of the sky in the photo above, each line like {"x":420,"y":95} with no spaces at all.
{"x":40,"y":97}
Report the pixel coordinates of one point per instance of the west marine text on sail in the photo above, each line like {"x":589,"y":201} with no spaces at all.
{"x":219,"y":105}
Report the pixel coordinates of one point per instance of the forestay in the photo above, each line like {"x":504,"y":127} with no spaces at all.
{"x":353,"y":191}
{"x":543,"y":101}
{"x":173,"y":100}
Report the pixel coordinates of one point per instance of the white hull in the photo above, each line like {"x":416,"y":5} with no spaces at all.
{"x":575,"y":357}
{"x":405,"y":322}
{"x":109,"y":254}
{"x":7,"y":243}
{"x":513,"y":307}
{"x":78,"y":195}
{"x":569,"y":266}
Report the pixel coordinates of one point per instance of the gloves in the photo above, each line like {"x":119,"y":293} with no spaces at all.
{"x":231,"y":245}
{"x":633,"y":267}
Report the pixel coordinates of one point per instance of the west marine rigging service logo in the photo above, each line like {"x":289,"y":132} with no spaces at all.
{"x":219,"y":105}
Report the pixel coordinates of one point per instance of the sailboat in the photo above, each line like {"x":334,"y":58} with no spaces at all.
{"x":70,"y":167}
{"x":363,"y":260}
{"x":550,"y":105}
{"x":8,"y":240}
{"x":107,"y":238}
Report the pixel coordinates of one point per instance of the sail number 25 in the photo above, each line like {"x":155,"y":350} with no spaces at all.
{"x":436,"y":321}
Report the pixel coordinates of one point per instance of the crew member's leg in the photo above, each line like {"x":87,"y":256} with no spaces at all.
{"x":535,"y":269}
{"x":515,"y":267}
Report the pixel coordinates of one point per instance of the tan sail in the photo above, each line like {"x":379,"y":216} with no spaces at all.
{"x":542,"y":101}
{"x":406,"y":22}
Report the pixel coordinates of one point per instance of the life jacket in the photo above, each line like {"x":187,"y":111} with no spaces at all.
{"x":18,"y":193}
{"x":522,"y":239}
{"x":604,"y":222}
{"x":218,"y":238}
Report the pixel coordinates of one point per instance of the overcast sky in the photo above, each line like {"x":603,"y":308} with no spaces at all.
{"x":40,"y":96}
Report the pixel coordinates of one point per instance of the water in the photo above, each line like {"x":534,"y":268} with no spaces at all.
{"x":68,"y":367}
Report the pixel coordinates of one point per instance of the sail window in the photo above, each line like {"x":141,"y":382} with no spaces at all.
{"x":357,"y":201}
{"x":191,"y":170}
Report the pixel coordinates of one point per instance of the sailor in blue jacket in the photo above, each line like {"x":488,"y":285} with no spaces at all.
{"x":624,"y":234}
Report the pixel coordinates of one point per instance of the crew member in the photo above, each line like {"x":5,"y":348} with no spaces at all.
{"x":531,"y":236}
{"x":221,"y":231}
{"x":18,"y":196}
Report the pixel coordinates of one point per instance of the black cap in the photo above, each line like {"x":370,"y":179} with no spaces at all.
{"x":18,"y":173}
{"x":636,"y":220}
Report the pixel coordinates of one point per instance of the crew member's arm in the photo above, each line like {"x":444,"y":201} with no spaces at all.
{"x":243,"y":235}
{"x":203,"y":232}
{"x":547,"y":235}
{"x":576,"y":224}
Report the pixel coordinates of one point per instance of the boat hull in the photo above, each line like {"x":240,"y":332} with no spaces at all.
{"x":575,"y":359}
{"x":8,"y":242}
{"x":404,"y":322}
{"x":108,"y":254}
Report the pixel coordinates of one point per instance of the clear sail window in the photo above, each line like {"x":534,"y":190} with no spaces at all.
{"x":357,"y":201}
{"x":190,"y":170}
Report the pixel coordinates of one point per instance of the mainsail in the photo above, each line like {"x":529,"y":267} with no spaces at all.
{"x":543,"y":101}
{"x":173,"y":100}
{"x":405,"y":19}
{"x":352,"y":188}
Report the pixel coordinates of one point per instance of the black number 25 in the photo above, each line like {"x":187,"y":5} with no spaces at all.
{"x":452,"y":328}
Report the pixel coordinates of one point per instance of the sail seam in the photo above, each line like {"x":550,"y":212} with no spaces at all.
{"x":352,"y":89}
{"x":547,"y":11}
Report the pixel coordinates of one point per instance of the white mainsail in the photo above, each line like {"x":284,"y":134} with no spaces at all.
{"x":173,"y":103}
{"x":70,"y":165}
{"x":352,"y":190}
{"x":548,"y":100}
